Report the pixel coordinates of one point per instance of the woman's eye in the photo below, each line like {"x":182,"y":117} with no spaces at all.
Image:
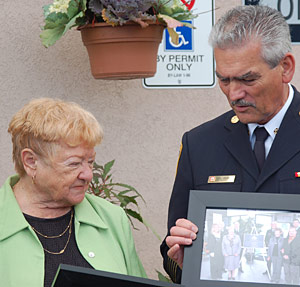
{"x":74,"y":163}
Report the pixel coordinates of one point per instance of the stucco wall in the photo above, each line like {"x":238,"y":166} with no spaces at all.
{"x":143,"y":128}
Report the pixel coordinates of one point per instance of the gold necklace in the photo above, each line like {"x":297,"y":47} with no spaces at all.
{"x":63,"y":250}
{"x":55,"y":236}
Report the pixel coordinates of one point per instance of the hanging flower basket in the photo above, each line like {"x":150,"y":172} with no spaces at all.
{"x":121,"y":36}
{"x":122,"y":52}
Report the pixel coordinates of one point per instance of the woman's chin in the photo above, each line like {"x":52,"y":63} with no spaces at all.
{"x":76,"y":196}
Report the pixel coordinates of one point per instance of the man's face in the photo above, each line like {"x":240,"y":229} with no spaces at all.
{"x":254,"y":90}
{"x":277,"y":233}
{"x":273,"y":225}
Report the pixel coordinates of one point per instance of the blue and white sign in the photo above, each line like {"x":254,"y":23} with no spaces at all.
{"x":190,"y":63}
{"x":185,"y":42}
{"x":290,"y":9}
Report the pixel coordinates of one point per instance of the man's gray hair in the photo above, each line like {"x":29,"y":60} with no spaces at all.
{"x":243,"y":24}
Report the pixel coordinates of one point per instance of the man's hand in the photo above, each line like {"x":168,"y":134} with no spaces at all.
{"x":183,"y":233}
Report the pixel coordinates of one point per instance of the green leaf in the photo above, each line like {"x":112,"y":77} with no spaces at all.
{"x":83,"y":5}
{"x":123,"y":201}
{"x":148,"y":225}
{"x":128,"y":199}
{"x":46,"y":10}
{"x":131,"y":188}
{"x":72,"y":22}
{"x":107,"y":167}
{"x":134,"y":214}
{"x":55,"y":20}
{"x":73,"y":9}
{"x":97,"y":166}
{"x":50,"y":36}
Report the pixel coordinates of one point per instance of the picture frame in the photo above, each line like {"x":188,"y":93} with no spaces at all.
{"x":263,"y":210}
{"x":68,"y":276}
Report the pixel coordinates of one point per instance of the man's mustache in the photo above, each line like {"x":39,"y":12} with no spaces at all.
{"x":242,"y":103}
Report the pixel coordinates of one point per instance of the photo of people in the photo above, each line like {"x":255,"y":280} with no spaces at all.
{"x":256,"y":246}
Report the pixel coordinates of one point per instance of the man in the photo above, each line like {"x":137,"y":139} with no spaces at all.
{"x":296,"y":225}
{"x":270,"y":234}
{"x":291,"y":257}
{"x":238,"y":231}
{"x":275,"y":252}
{"x":254,"y":65}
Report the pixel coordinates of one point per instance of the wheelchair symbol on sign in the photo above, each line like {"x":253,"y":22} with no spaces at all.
{"x":181,"y":40}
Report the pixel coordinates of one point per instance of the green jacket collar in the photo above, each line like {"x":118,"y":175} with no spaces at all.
{"x":13,"y":221}
{"x":11,"y":216}
{"x":88,"y":215}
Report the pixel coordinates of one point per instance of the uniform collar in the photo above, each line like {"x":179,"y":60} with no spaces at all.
{"x":273,"y":125}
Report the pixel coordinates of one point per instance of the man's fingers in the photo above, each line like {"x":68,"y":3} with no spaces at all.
{"x":173,"y":240}
{"x":182,"y":222}
{"x":176,"y":253}
{"x":182,"y":232}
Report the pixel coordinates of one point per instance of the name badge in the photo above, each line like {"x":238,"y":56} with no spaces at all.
{"x":221,"y":178}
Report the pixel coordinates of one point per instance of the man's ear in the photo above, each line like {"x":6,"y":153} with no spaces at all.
{"x":288,"y":67}
{"x":29,"y":160}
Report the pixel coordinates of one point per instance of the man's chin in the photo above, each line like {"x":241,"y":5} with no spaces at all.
{"x":246,"y":118}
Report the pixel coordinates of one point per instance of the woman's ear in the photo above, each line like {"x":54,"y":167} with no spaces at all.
{"x":29,"y":160}
{"x":288,"y":64}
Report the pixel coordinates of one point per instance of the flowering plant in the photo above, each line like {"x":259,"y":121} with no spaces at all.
{"x":62,"y":15}
{"x":122,"y":194}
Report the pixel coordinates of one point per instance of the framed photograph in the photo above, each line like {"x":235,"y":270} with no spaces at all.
{"x":244,"y":239}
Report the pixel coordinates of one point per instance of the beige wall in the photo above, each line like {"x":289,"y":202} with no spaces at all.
{"x":143,"y":128}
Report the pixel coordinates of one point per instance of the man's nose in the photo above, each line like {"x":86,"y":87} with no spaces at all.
{"x":235,"y":91}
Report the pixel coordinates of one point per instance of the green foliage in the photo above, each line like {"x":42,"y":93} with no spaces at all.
{"x":58,"y":23}
{"x":174,"y":9}
{"x":122,"y":11}
{"x":121,"y":194}
{"x":62,"y":15}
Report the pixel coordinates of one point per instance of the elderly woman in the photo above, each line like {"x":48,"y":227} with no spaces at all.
{"x":231,"y":248}
{"x":46,"y":217}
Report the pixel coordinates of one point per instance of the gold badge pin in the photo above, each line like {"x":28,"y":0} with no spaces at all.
{"x":234,"y":120}
{"x":276,"y":131}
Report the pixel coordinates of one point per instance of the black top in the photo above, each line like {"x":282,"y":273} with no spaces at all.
{"x":71,"y":255}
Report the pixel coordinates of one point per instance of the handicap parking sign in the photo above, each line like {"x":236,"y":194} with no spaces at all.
{"x":190,"y":63}
{"x":185,"y":42}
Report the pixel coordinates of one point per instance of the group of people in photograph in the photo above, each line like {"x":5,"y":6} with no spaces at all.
{"x":284,"y":252}
{"x":224,"y":251}
{"x":281,"y":254}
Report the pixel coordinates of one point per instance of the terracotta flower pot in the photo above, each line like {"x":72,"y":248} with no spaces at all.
{"x":122,"y":52}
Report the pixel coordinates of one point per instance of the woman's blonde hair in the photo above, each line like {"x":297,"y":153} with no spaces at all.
{"x":42,"y":123}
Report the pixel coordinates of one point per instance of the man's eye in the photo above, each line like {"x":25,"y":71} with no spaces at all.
{"x":248,"y":80}
{"x":225,"y":81}
{"x":91,"y":163}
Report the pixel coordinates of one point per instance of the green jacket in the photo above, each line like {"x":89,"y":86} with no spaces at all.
{"x":102,"y":233}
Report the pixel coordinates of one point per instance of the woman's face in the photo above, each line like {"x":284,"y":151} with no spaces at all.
{"x":64,"y":178}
